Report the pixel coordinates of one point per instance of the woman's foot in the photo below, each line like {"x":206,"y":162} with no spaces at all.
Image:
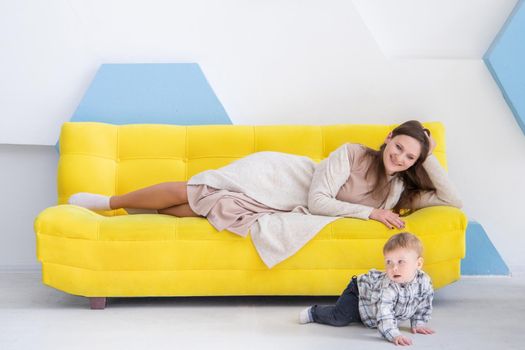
{"x":305,"y":316}
{"x":91,"y":201}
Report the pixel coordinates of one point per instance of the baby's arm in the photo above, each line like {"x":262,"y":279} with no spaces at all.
{"x":423,"y":312}
{"x":386,"y":321}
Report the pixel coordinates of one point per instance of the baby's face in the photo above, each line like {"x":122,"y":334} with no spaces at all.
{"x":401,"y":264}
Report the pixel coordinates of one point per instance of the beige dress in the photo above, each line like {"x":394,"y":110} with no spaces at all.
{"x":237,"y":212}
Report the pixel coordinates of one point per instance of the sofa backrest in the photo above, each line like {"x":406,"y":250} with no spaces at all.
{"x":115,"y":159}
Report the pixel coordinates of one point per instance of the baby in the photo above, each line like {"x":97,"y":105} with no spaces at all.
{"x":381,"y":299}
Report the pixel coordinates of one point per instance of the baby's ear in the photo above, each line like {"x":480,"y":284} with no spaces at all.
{"x":420,"y":261}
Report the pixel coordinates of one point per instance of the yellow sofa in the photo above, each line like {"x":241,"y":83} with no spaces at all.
{"x":111,"y":254}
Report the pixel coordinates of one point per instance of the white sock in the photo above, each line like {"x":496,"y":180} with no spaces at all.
{"x":91,"y":201}
{"x":305,"y":316}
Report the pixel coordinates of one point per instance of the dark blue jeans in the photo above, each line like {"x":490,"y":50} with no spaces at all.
{"x":345,"y":310}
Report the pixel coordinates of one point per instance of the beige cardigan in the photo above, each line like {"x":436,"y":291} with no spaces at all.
{"x":307,"y":191}
{"x":333,"y":172}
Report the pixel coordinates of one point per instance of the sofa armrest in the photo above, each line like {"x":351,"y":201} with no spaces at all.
{"x":69,"y":221}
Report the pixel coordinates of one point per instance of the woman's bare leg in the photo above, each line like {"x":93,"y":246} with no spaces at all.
{"x":182,"y":211}
{"x":160,"y":196}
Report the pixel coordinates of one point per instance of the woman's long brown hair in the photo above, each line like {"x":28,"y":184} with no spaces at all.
{"x":414,"y":178}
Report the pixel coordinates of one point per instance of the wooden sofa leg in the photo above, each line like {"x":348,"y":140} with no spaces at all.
{"x":97,"y":303}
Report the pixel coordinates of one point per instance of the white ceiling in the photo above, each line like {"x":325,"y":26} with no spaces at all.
{"x":445,"y":28}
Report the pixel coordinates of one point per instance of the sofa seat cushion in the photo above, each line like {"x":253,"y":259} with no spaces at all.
{"x":74,"y":236}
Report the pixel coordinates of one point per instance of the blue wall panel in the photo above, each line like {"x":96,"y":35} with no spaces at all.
{"x":481,"y":257}
{"x":506,"y":62}
{"x":176,"y":93}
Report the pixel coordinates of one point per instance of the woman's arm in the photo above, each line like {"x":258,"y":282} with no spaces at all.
{"x":445,"y":193}
{"x":329,"y":176}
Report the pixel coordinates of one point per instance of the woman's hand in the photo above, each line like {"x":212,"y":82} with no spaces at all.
{"x":431,"y":144}
{"x":387,"y":217}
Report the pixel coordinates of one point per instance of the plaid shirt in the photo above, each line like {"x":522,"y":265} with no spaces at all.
{"x":382,"y":303}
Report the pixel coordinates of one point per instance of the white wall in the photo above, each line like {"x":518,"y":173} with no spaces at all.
{"x":28,"y":179}
{"x":294,"y":61}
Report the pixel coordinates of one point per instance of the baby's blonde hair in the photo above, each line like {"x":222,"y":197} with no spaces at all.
{"x":403,"y":240}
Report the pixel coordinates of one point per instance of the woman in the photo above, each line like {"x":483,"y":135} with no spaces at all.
{"x":354,"y":181}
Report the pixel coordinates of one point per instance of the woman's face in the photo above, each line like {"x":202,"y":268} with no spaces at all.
{"x":401,"y":152}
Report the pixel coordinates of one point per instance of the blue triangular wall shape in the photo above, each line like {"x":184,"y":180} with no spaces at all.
{"x":174,"y":93}
{"x":481,"y":257}
{"x":150,"y":93}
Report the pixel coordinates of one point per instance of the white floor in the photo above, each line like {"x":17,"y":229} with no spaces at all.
{"x":474,"y":313}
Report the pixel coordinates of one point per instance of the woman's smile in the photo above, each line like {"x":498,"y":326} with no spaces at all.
{"x":393,"y":160}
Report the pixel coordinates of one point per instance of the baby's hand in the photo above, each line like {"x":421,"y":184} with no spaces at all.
{"x":422,"y":330}
{"x":402,"y":340}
